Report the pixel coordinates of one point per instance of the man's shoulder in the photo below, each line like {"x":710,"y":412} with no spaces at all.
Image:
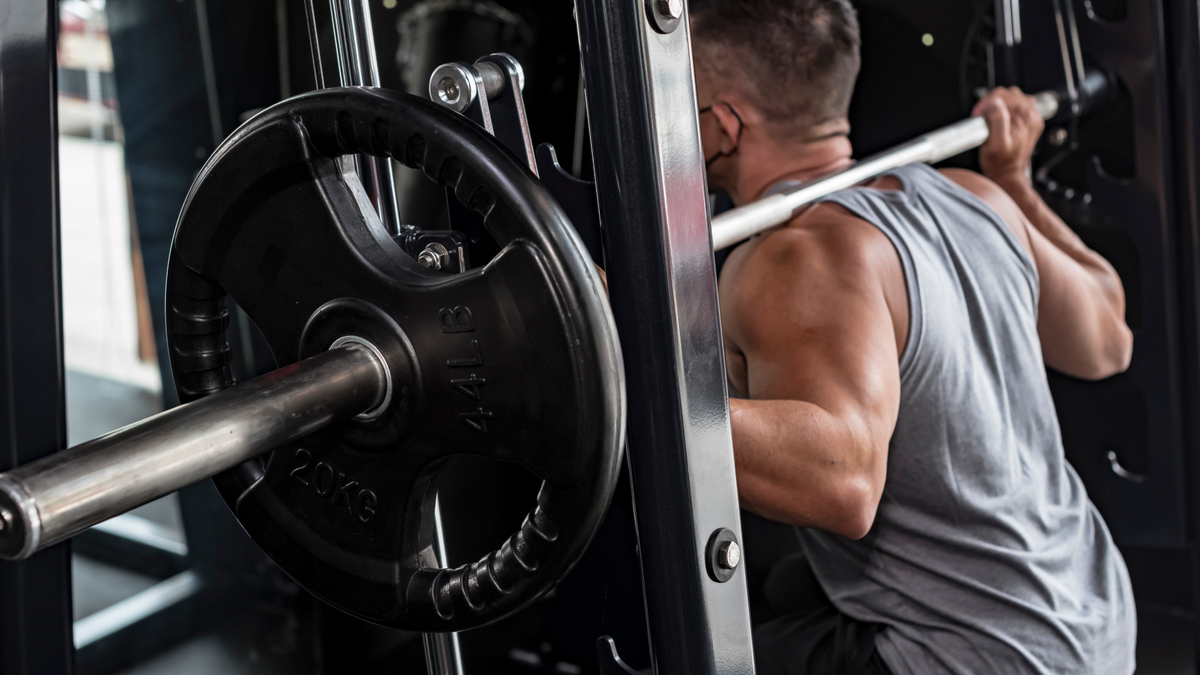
{"x":823,"y":259}
{"x":826,"y":238}
{"x":974,"y":182}
{"x":995,"y":197}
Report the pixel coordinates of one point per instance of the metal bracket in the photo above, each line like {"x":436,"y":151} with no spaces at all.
{"x":489,"y":93}
{"x":440,"y":250}
{"x":508,"y":107}
{"x":577,"y":197}
{"x":1115,"y":463}
{"x":610,"y":661}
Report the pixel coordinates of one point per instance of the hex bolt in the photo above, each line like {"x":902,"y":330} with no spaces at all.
{"x":435,"y":257}
{"x":1058,"y":137}
{"x":722,"y":555}
{"x":671,"y":9}
{"x":729,"y":555}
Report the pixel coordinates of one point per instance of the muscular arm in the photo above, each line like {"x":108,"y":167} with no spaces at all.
{"x":1081,"y":308}
{"x":1081,"y":311}
{"x":811,"y":332}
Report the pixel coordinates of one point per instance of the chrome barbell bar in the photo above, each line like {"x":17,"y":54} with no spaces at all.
{"x":746,"y":221}
{"x":60,"y":495}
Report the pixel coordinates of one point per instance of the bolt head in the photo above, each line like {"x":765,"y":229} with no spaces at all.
{"x":434,"y":256}
{"x":729,"y":555}
{"x":429,"y":259}
{"x":448,"y":90}
{"x":671,"y":9}
{"x":1058,"y":137}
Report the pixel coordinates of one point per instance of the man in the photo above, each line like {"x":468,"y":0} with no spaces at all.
{"x":890,"y":345}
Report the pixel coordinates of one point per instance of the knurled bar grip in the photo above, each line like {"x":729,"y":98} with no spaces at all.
{"x":47,"y":501}
{"x":746,"y":221}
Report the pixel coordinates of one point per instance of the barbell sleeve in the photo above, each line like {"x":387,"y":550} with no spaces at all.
{"x":746,"y":221}
{"x":53,"y":498}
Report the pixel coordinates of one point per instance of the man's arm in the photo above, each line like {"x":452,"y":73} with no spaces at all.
{"x":1081,"y":309}
{"x":809,"y":312}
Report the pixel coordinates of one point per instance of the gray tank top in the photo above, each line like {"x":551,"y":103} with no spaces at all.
{"x":986,"y":555}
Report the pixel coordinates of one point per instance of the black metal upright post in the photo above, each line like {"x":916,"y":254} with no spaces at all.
{"x":641,"y":103}
{"x":35,"y":595}
{"x":1183,"y":38}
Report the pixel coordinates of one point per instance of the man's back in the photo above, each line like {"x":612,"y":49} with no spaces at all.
{"x":978,"y":509}
{"x":985,"y":554}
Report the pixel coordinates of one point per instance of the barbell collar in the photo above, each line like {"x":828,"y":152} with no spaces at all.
{"x":47,"y":501}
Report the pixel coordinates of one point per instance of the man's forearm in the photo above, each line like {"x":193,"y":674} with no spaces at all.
{"x":1084,"y":331}
{"x":1047,"y":222}
{"x":800,"y":464}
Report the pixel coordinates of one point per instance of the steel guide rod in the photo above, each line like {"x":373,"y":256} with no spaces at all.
{"x":357,"y":67}
{"x":51,"y":499}
{"x":746,"y":221}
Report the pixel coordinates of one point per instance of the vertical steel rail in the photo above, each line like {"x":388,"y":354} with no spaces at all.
{"x":443,"y":654}
{"x":35,"y":595}
{"x":358,"y":67}
{"x":1183,"y":40}
{"x":1004,"y":64}
{"x":641,"y":102}
{"x":210,"y":74}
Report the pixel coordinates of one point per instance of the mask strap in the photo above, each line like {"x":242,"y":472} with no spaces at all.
{"x":736,"y":142}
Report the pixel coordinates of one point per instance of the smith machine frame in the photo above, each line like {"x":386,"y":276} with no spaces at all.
{"x":35,"y":595}
{"x":650,"y":183}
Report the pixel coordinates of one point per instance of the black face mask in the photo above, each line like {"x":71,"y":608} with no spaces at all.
{"x":737,"y":141}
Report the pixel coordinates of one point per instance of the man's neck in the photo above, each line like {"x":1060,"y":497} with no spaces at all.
{"x":798,"y":162}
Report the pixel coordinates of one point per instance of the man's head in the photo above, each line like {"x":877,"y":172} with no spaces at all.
{"x":781,"y":69}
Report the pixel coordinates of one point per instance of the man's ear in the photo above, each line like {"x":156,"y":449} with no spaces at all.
{"x":731,"y":126}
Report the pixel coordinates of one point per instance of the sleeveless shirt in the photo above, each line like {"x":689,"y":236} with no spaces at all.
{"x":986,"y":555}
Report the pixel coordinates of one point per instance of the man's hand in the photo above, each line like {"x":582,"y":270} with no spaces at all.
{"x":1081,"y":302}
{"x":1015,"y":127}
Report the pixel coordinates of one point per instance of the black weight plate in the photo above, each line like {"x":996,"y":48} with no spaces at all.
{"x":517,"y":360}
